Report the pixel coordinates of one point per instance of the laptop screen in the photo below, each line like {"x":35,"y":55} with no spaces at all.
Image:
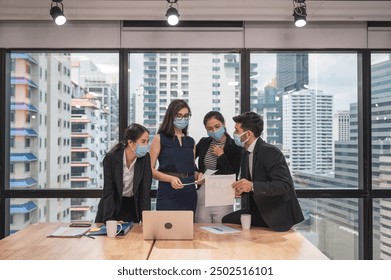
{"x":168,"y":224}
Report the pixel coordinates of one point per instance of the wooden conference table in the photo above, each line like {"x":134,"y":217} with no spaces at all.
{"x":257,"y":243}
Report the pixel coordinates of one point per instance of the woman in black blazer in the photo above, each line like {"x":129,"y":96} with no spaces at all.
{"x":127,"y":178}
{"x":216,"y":152}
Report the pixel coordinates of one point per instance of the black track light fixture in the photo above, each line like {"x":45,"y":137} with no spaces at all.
{"x":172,"y":13}
{"x":57,"y":12}
{"x":300,"y":12}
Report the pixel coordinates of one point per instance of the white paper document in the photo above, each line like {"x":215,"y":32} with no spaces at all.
{"x":69,"y":232}
{"x":220,"y":229}
{"x":218,"y":190}
{"x":208,"y":172}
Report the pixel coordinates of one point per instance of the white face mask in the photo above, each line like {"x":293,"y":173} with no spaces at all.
{"x":238,"y":140}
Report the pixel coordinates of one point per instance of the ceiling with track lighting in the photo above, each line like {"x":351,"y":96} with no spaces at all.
{"x":205,"y":10}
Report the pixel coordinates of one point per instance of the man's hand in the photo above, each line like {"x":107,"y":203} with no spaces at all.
{"x":242,"y":186}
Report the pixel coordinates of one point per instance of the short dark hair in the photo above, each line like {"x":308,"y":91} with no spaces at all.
{"x":167,"y":126}
{"x":133,"y":132}
{"x":250,"y":121}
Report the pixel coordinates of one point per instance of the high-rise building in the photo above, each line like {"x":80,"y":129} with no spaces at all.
{"x":40,"y":127}
{"x":292,"y":71}
{"x":342,"y":214}
{"x":169,"y":76}
{"x":341,"y":131}
{"x":307,"y":129}
{"x":270,"y":109}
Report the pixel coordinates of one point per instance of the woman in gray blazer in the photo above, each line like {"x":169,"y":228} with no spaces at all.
{"x":127,"y":178}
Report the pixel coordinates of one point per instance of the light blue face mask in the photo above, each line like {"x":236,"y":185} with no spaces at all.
{"x":237,"y":140}
{"x":218,"y":134}
{"x":141,"y":150}
{"x":181,"y":123}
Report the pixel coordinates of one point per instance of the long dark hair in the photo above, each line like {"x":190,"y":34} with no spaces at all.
{"x":167,"y":126}
{"x":132,"y":133}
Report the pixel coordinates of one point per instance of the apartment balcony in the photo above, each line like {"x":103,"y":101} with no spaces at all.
{"x":79,"y":118}
{"x":79,"y":134}
{"x":149,"y":80}
{"x":23,"y":107}
{"x":231,"y":64}
{"x":150,"y":96}
{"x":22,"y":208}
{"x":150,"y":71}
{"x":149,"y":113}
{"x":23,"y":183}
{"x":150,"y":122}
{"x":150,"y":88}
{"x":22,"y":157}
{"x":27,"y":132}
{"x":23,"y":81}
{"x":150,"y":63}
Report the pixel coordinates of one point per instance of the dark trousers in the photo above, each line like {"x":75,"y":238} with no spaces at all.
{"x":127,"y":213}
{"x":256,"y":217}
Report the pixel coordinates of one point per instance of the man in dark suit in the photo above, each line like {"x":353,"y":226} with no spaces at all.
{"x":266,"y":185}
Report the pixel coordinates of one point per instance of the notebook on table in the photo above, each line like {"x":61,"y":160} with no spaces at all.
{"x":168,"y":225}
{"x":102,"y":229}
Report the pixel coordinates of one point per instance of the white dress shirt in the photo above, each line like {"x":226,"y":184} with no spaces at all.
{"x":128,"y":178}
{"x":250,"y":149}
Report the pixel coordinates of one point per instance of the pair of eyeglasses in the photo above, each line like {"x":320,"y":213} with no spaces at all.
{"x":185,"y":116}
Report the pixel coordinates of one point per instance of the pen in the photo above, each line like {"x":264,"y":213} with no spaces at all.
{"x":89,"y":236}
{"x":188,"y":184}
{"x":219,"y":229}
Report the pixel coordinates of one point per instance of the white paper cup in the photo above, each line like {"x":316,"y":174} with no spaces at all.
{"x":245,"y":219}
{"x":111,"y":228}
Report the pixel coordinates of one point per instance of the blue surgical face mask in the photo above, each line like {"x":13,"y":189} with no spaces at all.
{"x":141,"y":150}
{"x":218,"y":134}
{"x":181,"y":123}
{"x":237,"y":139}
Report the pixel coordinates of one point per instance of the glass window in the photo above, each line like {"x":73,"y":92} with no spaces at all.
{"x":37,"y":141}
{"x":381,"y":120}
{"x":382,"y":229}
{"x":308,"y":102}
{"x":332,"y":226}
{"x":147,"y":88}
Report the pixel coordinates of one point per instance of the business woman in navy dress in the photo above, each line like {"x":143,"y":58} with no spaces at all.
{"x":174,"y":150}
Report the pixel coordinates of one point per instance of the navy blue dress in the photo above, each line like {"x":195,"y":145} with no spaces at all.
{"x":179,"y":159}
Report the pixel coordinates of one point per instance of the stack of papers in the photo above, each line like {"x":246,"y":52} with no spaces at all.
{"x":69,"y":232}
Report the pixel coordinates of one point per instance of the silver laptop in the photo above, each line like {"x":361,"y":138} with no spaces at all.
{"x":168,"y":224}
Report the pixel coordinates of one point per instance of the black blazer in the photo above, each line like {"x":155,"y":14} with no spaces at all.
{"x":227,"y":163}
{"x":110,"y":203}
{"x":274,"y":193}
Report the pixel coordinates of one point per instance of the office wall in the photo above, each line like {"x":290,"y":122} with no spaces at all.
{"x":110,"y":34}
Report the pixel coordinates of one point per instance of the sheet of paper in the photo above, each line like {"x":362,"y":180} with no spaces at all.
{"x":208,"y":172}
{"x":220,"y":229}
{"x":218,"y":190}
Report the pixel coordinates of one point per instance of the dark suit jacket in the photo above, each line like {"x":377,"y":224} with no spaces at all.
{"x":274,"y":193}
{"x":110,"y":203}
{"x":227,"y":163}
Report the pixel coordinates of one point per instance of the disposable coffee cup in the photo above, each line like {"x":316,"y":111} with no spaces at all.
{"x":245,"y":219}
